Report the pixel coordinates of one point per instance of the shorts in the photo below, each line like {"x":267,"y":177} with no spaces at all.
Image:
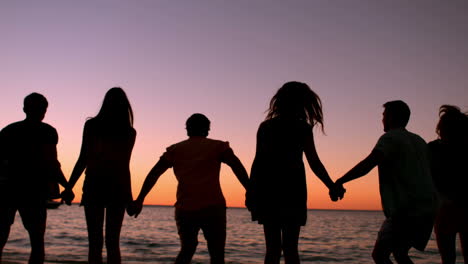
{"x":410,"y":231}
{"x":212,"y":221}
{"x":33,"y":218}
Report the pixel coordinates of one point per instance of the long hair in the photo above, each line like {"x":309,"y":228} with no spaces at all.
{"x":297,"y":100}
{"x":453,"y":124}
{"x":116,"y":110}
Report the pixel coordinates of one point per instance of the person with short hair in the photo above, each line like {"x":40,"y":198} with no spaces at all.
{"x":406,"y":188}
{"x":200,"y":202}
{"x":30,"y":172}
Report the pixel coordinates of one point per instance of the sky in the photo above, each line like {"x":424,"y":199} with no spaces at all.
{"x":226,"y":59}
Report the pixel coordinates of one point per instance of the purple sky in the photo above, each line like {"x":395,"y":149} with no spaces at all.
{"x":226,"y":59}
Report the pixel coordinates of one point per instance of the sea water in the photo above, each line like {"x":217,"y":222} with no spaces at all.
{"x":329,"y":237}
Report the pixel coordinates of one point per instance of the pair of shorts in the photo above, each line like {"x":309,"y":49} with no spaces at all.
{"x":211,"y":220}
{"x":33,"y":218}
{"x":407,"y":231}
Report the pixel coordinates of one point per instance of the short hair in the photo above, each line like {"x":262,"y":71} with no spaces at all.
{"x":399,"y":111}
{"x":34,"y":102}
{"x":197,"y":125}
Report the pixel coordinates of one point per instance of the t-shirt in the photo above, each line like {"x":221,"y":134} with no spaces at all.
{"x":404,"y":174}
{"x":197,"y":163}
{"x":29,"y":156}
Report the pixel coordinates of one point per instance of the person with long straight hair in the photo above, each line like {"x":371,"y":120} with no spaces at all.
{"x":449,"y":156}
{"x":108,"y":140}
{"x":277,"y":196}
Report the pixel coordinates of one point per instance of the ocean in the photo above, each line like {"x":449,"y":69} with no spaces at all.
{"x":329,"y":237}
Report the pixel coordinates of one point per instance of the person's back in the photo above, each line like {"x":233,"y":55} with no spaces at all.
{"x":28,"y":149}
{"x":404,"y":174}
{"x":405,"y":183}
{"x":196,"y":163}
{"x":200,"y":202}
{"x":450,"y":174}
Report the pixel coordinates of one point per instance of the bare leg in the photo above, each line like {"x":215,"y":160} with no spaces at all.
{"x":34,"y":220}
{"x":290,"y":244}
{"x":95,"y":221}
{"x":7,"y":217}
{"x":273,"y":243}
{"x":114,"y":219}
{"x":188,"y":234}
{"x":401,"y":255}
{"x":214,"y":231}
{"x":446,"y":245}
{"x":464,"y":246}
{"x":381,"y":252}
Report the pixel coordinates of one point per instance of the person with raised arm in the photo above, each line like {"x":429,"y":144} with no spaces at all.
{"x":200,"y":202}
{"x":406,"y":188}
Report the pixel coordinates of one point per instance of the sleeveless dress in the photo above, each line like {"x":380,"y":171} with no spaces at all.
{"x":107,"y":181}
{"x":278,"y":193}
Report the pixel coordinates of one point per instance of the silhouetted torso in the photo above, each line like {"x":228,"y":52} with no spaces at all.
{"x":108,"y":152}
{"x":196,"y":163}
{"x":404,"y":174}
{"x":30,"y":151}
{"x":278,"y":174}
{"x":449,"y":164}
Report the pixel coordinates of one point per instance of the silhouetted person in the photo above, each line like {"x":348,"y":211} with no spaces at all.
{"x":449,"y":157}
{"x":278,"y":194}
{"x":405,"y":183}
{"x":28,"y":155}
{"x":200,"y":202}
{"x":108,"y":140}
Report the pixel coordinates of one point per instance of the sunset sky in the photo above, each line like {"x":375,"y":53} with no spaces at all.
{"x":226,"y":59}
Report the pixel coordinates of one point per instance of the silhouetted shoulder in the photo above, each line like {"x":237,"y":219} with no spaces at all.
{"x":22,"y":129}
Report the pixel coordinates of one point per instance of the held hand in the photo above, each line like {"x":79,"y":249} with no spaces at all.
{"x":134,"y":208}
{"x":67,"y":196}
{"x":337,"y":192}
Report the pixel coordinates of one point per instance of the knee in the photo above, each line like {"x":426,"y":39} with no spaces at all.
{"x":379,"y":257}
{"x":189,"y":245}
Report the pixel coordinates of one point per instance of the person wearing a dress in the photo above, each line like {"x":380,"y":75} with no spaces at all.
{"x":108,"y":140}
{"x":277,"y":196}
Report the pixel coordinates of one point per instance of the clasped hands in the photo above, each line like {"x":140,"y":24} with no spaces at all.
{"x":336,"y":191}
{"x":67,"y":196}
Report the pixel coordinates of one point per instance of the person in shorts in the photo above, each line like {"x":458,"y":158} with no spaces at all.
{"x":406,"y":188}
{"x":200,"y":202}
{"x":29,"y":170}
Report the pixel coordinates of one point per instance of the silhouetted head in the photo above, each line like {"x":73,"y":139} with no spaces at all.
{"x":395,"y":115}
{"x":197,"y":125}
{"x":116,"y":109}
{"x":453,"y":124}
{"x":35,"y":107}
{"x":296,"y":100}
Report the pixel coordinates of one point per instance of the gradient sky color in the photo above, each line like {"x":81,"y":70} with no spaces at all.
{"x":226,"y":59}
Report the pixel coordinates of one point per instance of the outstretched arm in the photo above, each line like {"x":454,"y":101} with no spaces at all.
{"x":362,"y":168}
{"x":80,"y":166}
{"x":315,"y":163}
{"x":81,"y":163}
{"x":236,"y":165}
{"x":136,"y":206}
